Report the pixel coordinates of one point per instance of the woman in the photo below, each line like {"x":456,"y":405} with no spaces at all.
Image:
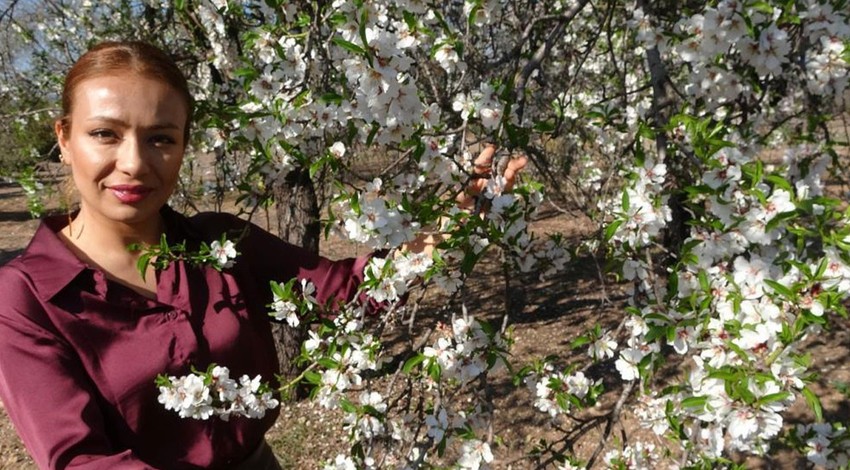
{"x":83,"y":334}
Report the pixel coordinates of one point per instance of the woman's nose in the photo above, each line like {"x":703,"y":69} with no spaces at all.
{"x":131,"y":158}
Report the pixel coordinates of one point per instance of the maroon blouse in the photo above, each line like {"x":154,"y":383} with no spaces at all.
{"x":79,"y":352}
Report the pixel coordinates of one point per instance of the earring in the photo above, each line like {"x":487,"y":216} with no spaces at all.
{"x":66,"y":198}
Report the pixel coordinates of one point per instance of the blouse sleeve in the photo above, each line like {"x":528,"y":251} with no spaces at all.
{"x":271,"y":259}
{"x":46,"y":392}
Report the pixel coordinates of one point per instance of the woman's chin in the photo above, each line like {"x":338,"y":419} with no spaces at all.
{"x":135,"y":213}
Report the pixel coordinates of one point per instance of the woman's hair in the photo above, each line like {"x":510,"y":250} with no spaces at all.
{"x":115,"y":58}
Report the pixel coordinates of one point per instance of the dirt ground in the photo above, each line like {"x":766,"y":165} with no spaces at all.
{"x":546,"y":317}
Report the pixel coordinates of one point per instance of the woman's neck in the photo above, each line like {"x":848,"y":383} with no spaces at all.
{"x":91,"y":232}
{"x":103,"y":244}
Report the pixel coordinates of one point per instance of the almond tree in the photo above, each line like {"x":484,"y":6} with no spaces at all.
{"x":653,"y":119}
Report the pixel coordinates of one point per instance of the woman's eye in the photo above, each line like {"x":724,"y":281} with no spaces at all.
{"x":162,"y":140}
{"x":103,"y":134}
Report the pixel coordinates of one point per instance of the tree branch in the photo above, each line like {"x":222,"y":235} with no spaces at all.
{"x":612,"y":420}
{"x":521,"y":78}
{"x":8,"y":11}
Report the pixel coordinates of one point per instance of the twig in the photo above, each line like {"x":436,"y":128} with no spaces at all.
{"x":414,"y":312}
{"x":295,"y":381}
{"x":570,"y":438}
{"x":612,"y":420}
{"x":8,"y":11}
{"x":416,"y":347}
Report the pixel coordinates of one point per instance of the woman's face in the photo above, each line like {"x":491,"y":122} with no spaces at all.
{"x":125,"y":145}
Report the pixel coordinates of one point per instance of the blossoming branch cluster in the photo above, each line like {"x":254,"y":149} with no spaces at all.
{"x":740,"y":307}
{"x":202,"y":395}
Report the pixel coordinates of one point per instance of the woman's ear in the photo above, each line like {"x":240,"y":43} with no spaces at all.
{"x":60,"y":129}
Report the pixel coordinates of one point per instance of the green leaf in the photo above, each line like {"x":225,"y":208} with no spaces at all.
{"x":562,"y":401}
{"x":349,"y":46}
{"x":786,"y":335}
{"x":579,"y":342}
{"x":364,"y":20}
{"x":738,"y":351}
{"x":470,"y":20}
{"x":277,"y":289}
{"x":412,"y":362}
{"x":780,"y":289}
{"x":435,"y":371}
{"x":372,"y":134}
{"x":142,"y":264}
{"x":372,"y":411}
{"x":814,"y":403}
{"x":544,"y":127}
{"x":313,"y":377}
{"x":655,"y":332}
{"x":778,"y":219}
{"x":248,"y":73}
{"x":331,"y":98}
{"x":770,"y":398}
{"x":410,"y":19}
{"x":611,"y":229}
{"x":780,"y":182}
{"x":821,"y":269}
{"x":724,"y":374}
{"x":742,"y":390}
{"x":316,"y":166}
{"x":695,"y":402}
{"x":327,"y":363}
{"x":163,"y":381}
{"x":441,"y":447}
{"x":347,"y":406}
{"x":704,"y":284}
{"x":763,"y":7}
{"x":487,"y":328}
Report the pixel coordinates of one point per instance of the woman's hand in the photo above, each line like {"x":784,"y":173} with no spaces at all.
{"x":482,"y":169}
{"x":482,"y":174}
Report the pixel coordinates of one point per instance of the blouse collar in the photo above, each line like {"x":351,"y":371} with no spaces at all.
{"x":52,"y":265}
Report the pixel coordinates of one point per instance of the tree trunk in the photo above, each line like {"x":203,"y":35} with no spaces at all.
{"x":298,"y":223}
{"x":677,"y":231}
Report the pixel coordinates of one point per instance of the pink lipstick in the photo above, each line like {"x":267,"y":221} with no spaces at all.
{"x":129,"y":194}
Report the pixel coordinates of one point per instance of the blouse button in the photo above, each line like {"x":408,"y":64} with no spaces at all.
{"x":171,"y":315}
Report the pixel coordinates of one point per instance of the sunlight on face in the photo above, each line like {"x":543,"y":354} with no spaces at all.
{"x":125,"y":145}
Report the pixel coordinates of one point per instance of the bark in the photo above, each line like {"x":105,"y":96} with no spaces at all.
{"x":297,"y":223}
{"x":677,"y":230}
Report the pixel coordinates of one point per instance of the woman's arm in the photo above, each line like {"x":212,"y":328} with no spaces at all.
{"x":271,"y":259}
{"x":46,"y":392}
{"x":268,"y":258}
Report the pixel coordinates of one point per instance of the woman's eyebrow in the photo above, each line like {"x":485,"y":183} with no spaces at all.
{"x":119,"y":122}
{"x":165,"y":125}
{"x":108,"y":119}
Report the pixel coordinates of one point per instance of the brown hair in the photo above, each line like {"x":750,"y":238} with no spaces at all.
{"x":110,"y":58}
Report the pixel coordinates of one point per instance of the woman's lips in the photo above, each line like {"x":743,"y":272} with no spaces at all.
{"x":129,"y":194}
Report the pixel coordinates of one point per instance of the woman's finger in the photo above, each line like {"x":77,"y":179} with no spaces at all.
{"x":481,"y":169}
{"x":484,"y":161}
{"x":515,"y":165}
